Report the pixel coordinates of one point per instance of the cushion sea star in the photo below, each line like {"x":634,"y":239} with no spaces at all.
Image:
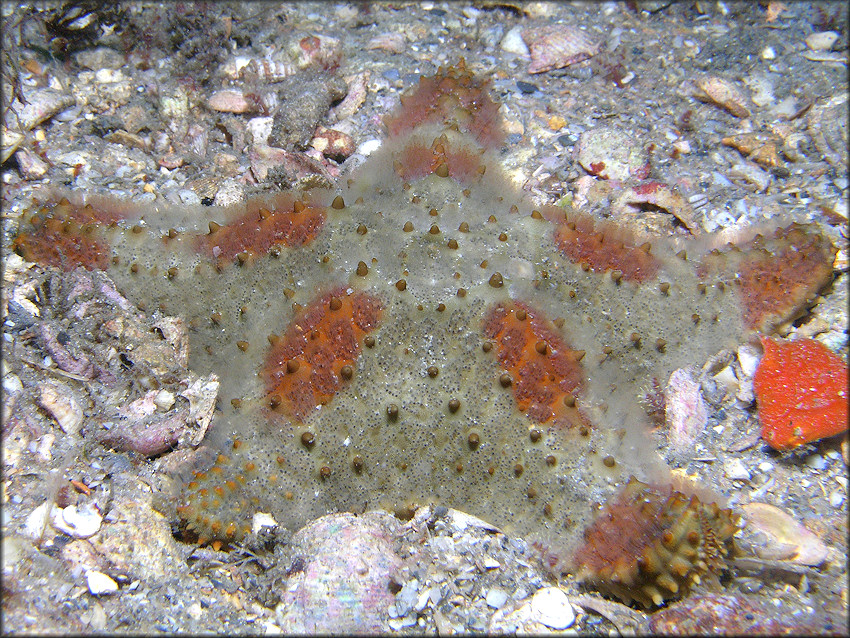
{"x":424,"y":333}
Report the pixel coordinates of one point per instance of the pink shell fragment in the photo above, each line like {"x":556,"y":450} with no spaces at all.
{"x":557,"y":46}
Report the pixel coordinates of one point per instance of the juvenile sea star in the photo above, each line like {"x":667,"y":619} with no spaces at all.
{"x":424,"y":333}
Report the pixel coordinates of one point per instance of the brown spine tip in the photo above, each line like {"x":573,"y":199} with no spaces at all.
{"x":298,"y":206}
{"x":617,"y":275}
{"x":369,"y":341}
{"x":535,"y":214}
{"x":401,"y":285}
{"x":664,"y":287}
{"x":242,"y":345}
{"x":461,"y":292}
{"x":551,"y":461}
{"x":541,"y":347}
{"x":464,"y":227}
{"x":292,"y":366}
{"x":338,"y":203}
{"x":505,"y":380}
{"x":434,"y":230}
{"x":357,"y":463}
{"x":392,"y":412}
{"x":609,"y":461}
{"x":308,"y":440}
{"x":535,"y":435}
{"x":346,"y":372}
{"x":325,"y":472}
{"x":216,"y":318}
{"x":335,"y":304}
{"x":442,"y":170}
{"x":518,"y":469}
{"x":660,"y":344}
{"x":496,"y":280}
{"x":452,"y":243}
{"x":408,"y":227}
{"x":454,"y":405}
{"x":361,"y":229}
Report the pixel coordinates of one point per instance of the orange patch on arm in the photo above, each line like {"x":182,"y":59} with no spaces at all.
{"x":545,"y":373}
{"x":285,"y":222}
{"x":315,"y":358}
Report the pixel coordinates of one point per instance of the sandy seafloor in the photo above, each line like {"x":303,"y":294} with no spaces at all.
{"x":116,"y":106}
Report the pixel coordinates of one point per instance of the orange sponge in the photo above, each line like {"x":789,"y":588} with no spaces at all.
{"x":801,"y":389}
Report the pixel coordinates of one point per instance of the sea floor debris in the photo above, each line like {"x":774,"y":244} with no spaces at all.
{"x":74,"y":471}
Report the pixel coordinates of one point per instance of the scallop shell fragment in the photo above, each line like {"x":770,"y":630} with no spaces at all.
{"x":557,"y":46}
{"x":827,"y":124}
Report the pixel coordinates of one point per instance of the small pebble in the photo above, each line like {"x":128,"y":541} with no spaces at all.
{"x":748,"y":357}
{"x":496,"y":597}
{"x":164,"y":400}
{"x":550,"y":606}
{"x":816,"y":462}
{"x":513,"y":42}
{"x":99,"y":583}
{"x":735,"y":470}
{"x":79,"y":522}
{"x":766,"y":466}
{"x":836,"y":498}
{"x":189,"y":197}
{"x":822,"y":41}
{"x":768,"y":53}
{"x":526,"y":87}
{"x":261,"y":520}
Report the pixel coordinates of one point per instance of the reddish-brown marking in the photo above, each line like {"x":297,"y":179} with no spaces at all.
{"x":416,"y":160}
{"x":64,"y":234}
{"x":601,"y":246}
{"x":777,"y":273}
{"x":648,"y":189}
{"x":773,"y":282}
{"x":453,"y":95}
{"x":264,"y":225}
{"x":542,"y":383}
{"x":64,"y":244}
{"x":321,"y":342}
